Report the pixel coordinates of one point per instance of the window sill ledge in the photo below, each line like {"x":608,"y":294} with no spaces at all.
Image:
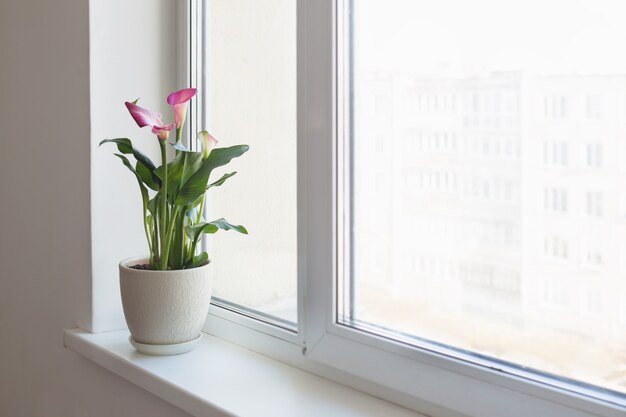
{"x":222,"y":379}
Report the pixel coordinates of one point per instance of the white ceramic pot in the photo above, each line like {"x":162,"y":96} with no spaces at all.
{"x":164,"y":310}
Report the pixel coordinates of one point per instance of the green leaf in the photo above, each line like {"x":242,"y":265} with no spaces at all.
{"x":221,"y":180}
{"x":222,"y":156}
{"x":179,"y":171}
{"x":224,"y":225}
{"x":144,"y":191}
{"x":197,"y":201}
{"x":197,"y":260}
{"x":192,"y":213}
{"x":148,"y":177}
{"x":152,"y":205}
{"x":196,"y":185}
{"x":145,"y":166}
{"x":196,"y":230}
{"x":125,"y":146}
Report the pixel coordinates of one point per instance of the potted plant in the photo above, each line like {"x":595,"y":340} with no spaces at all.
{"x":166,"y":295}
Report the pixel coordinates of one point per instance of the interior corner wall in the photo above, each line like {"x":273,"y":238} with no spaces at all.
{"x":46,"y":149}
{"x":133,"y":55}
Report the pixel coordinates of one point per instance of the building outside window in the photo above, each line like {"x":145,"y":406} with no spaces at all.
{"x":555,"y":199}
{"x":593,"y":155}
{"x":450,"y":170}
{"x":555,"y":153}
{"x":594,"y":203}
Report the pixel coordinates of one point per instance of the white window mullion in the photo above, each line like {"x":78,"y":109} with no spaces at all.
{"x":316,"y":179}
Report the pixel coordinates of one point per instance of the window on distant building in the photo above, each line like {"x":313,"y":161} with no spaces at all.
{"x":554,"y":107}
{"x":594,"y":203}
{"x":593,"y":155}
{"x":593,"y":106}
{"x":594,"y":257}
{"x":555,"y":199}
{"x":555,"y":152}
{"x":555,"y":247}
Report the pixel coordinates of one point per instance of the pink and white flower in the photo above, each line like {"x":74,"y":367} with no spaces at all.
{"x":179,"y":100}
{"x":208,"y":143}
{"x":144,"y":117}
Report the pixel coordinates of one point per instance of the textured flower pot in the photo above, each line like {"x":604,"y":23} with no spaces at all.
{"x":164,"y":310}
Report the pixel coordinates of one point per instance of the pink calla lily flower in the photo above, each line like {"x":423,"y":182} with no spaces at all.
{"x":163,"y":132}
{"x":144,"y":117}
{"x":208,"y":143}
{"x":179,"y":101}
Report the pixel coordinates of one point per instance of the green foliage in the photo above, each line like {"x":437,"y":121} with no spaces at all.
{"x":196,"y":230}
{"x":195,"y":186}
{"x":221,"y":180}
{"x":148,"y":177}
{"x":173,"y":201}
{"x":179,"y":172}
{"x":145,"y":167}
{"x":144,"y":192}
{"x":152,"y":205}
{"x":125,"y":146}
{"x":197,"y":260}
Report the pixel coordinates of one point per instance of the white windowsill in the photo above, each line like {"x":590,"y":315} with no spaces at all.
{"x":222,"y":379}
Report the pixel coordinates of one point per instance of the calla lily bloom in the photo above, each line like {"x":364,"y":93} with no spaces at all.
{"x":144,"y":117}
{"x":179,"y":101}
{"x":163,"y":132}
{"x":208,"y":143}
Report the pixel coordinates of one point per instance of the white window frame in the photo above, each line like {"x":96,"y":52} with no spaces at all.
{"x":428,"y":379}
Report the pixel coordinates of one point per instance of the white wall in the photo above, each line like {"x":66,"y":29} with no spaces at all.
{"x":45,"y":250}
{"x":133,"y":50}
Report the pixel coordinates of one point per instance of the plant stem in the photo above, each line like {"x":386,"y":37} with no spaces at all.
{"x":168,"y":239}
{"x":177,"y":256}
{"x":192,"y":249}
{"x":155,"y":240}
{"x":179,"y":135}
{"x":181,"y":230}
{"x":201,"y":211}
{"x":163,"y":215}
{"x":145,"y":228}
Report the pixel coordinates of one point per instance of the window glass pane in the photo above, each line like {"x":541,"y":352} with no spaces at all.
{"x":485,"y":180}
{"x":251,"y":64}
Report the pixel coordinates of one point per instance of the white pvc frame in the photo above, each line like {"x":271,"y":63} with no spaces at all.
{"x":423,"y":379}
